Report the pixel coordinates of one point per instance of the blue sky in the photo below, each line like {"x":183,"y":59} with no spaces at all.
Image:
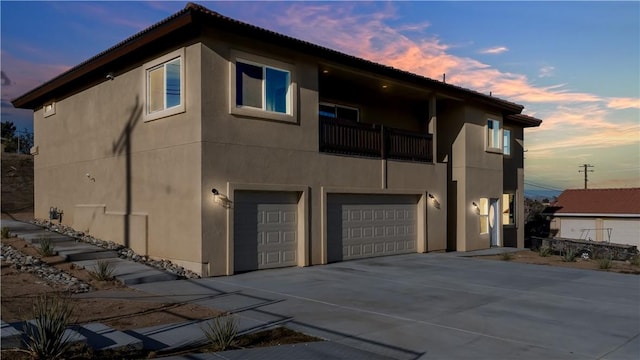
{"x":576,"y":65}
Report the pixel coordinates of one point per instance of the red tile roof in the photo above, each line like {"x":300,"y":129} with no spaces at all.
{"x":599,"y":201}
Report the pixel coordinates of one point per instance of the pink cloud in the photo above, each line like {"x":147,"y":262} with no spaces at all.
{"x":26,"y":75}
{"x":624,"y":103}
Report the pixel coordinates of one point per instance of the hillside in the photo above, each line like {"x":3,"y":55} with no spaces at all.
{"x":17,"y":183}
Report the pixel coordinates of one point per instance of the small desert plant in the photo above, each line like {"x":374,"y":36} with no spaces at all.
{"x":569,"y":255}
{"x":103,"y":271}
{"x":635,"y":260}
{"x":46,"y":247}
{"x":605,"y":263}
{"x":46,"y":337}
{"x":5,"y":232}
{"x":544,"y":251}
{"x":506,"y":256}
{"x":222,"y":332}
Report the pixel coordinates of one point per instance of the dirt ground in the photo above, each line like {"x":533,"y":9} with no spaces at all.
{"x":20,"y":289}
{"x":532,"y":257}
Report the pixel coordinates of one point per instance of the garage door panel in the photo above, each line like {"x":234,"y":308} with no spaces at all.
{"x":265,"y":230}
{"x":370,"y":225}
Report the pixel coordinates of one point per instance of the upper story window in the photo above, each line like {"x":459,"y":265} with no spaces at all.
{"x":506,"y":148}
{"x":339,"y":112}
{"x":49,"y":109}
{"x":494,"y":136}
{"x":164,"y":86}
{"x":262,"y":87}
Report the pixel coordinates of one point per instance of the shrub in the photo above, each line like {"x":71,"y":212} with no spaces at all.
{"x":605,"y":263}
{"x":103,"y":271}
{"x":635,"y":260}
{"x":222,"y":332}
{"x":46,"y":337}
{"x":569,"y":255}
{"x":5,"y":232}
{"x":545,"y":251}
{"x":507,"y":256}
{"x":46,"y":247}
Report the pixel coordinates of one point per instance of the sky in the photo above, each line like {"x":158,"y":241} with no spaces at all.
{"x":575,"y":65}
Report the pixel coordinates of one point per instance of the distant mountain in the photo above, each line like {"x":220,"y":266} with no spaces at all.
{"x":537,"y":194}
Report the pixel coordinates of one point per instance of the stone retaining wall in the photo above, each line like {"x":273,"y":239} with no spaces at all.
{"x":595,"y":249}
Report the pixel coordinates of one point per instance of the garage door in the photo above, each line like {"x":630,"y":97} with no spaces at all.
{"x":265,"y":230}
{"x":361,"y":226}
{"x":624,"y":231}
{"x":578,"y":229}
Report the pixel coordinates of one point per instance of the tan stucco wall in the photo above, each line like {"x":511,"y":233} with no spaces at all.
{"x":87,"y":135}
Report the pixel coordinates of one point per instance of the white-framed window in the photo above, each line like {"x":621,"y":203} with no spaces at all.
{"x":506,"y":142}
{"x":164,"y":80}
{"x":336,"y":111}
{"x":508,"y":209}
{"x":49,"y":109}
{"x":484,"y":215}
{"x":494,"y":135}
{"x":262,"y":87}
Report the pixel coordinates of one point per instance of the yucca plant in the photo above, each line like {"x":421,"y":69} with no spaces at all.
{"x":45,"y":337}
{"x":103,"y":271}
{"x":5,"y":232}
{"x":569,"y":255}
{"x":605,"y":263}
{"x":46,"y":247}
{"x":222,"y":332}
{"x":544,"y":251}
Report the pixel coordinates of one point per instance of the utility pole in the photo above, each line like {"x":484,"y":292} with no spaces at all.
{"x":585,"y":171}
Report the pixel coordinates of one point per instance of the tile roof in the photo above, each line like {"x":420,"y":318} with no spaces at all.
{"x":197,"y":14}
{"x":599,"y":201}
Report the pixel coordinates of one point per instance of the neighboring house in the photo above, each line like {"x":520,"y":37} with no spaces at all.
{"x":225,"y":147}
{"x":611,"y":215}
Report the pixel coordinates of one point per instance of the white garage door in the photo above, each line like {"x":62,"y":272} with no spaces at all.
{"x":265,"y":230}
{"x":361,"y":226}
{"x":624,"y":231}
{"x":578,"y":229}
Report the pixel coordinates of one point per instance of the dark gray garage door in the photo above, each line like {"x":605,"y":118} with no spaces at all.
{"x":361,"y":226}
{"x":265,"y":230}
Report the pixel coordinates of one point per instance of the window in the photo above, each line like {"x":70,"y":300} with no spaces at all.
{"x":262,"y":87}
{"x":164,"y":86}
{"x":493,"y":135}
{"x":484,"y":215}
{"x":49,"y":109}
{"x":506,"y":149}
{"x":508,"y":209}
{"x":339,"y":112}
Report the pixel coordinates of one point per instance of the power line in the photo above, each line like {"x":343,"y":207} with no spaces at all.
{"x":585,"y":171}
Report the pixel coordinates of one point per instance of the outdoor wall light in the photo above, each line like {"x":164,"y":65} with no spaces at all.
{"x":90,"y":177}
{"x":220,"y":199}
{"x":434,"y":201}
{"x":110,"y":76}
{"x":476,"y":207}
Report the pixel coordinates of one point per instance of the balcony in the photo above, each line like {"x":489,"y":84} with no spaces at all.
{"x":356,"y":139}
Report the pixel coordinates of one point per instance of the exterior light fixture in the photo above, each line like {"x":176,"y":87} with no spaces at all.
{"x":88,"y":175}
{"x":434,"y":201}
{"x":220,"y":199}
{"x":476,"y":207}
{"x":110,"y":76}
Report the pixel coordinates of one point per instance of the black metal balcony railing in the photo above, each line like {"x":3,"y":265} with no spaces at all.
{"x":351,"y":138}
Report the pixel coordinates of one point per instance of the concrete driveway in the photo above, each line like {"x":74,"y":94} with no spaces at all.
{"x":438,"y":306}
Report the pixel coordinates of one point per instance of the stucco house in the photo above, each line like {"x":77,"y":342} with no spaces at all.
{"x":611,"y":215}
{"x":225,"y":147}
